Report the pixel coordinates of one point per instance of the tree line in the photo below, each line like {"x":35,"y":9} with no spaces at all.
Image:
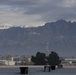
{"x":42,"y":59}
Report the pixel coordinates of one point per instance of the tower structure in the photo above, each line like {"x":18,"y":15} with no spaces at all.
{"x":47,"y":49}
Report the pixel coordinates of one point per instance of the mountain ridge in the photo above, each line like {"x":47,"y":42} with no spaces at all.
{"x":60,"y":35}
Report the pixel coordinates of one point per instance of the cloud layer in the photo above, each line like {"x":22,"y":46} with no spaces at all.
{"x":36,"y":12}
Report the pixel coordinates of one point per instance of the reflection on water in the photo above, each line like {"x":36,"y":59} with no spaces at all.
{"x":39,"y":71}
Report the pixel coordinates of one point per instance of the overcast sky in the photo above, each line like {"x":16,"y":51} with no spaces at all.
{"x":36,"y":12}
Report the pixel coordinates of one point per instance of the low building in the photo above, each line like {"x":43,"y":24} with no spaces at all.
{"x":69,"y":61}
{"x":2,"y":62}
{"x":9,"y":62}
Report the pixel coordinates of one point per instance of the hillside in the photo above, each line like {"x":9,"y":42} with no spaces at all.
{"x":60,"y":35}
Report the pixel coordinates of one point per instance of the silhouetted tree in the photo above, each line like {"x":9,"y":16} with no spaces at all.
{"x":33,"y":59}
{"x":53,"y":58}
{"x":39,"y":59}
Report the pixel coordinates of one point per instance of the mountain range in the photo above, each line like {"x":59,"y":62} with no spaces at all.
{"x":59,"y":36}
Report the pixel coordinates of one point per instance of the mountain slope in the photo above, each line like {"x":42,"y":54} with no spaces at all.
{"x":60,"y":35}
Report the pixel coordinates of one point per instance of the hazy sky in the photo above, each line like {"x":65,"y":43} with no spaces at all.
{"x":36,"y":12}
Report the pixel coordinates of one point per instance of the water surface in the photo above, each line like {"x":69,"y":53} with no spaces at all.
{"x":38,"y":71}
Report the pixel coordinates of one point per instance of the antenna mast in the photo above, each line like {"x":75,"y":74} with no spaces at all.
{"x":47,"y":50}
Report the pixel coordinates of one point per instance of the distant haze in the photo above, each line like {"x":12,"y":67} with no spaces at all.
{"x":60,"y":36}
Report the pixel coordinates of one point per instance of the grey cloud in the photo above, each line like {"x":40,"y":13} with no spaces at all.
{"x":18,"y":2}
{"x":49,"y":10}
{"x":53,"y":10}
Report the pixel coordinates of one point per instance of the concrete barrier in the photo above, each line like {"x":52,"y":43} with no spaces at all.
{"x":53,"y":67}
{"x":47,"y":68}
{"x":24,"y":70}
